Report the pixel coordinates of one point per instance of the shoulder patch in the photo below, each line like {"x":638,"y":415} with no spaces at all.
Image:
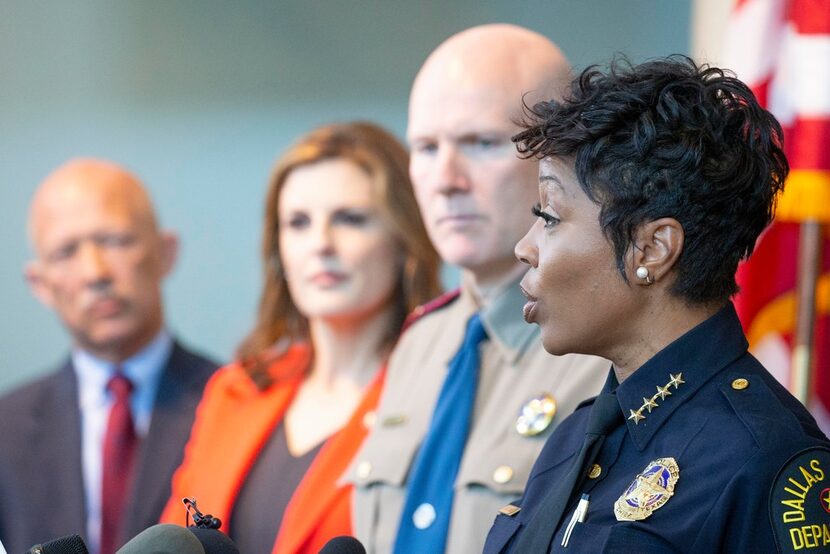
{"x":431,"y":306}
{"x":800,"y":502}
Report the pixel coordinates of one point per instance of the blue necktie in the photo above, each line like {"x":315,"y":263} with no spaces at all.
{"x":426,"y":515}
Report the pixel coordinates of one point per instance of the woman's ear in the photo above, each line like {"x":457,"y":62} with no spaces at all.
{"x":656,"y":248}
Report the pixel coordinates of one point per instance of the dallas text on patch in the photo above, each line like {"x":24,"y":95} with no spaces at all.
{"x":800,"y":487}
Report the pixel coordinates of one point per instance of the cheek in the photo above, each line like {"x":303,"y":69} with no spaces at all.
{"x":147,"y":269}
{"x":375,"y":260}
{"x":419,"y":173}
{"x":557,"y":281}
{"x":63,"y":290}
{"x":139,"y":274}
{"x":375,"y":270}
{"x":291,"y":254}
{"x":574,"y":274}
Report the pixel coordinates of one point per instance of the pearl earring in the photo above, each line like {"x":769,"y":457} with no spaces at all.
{"x":642,"y":273}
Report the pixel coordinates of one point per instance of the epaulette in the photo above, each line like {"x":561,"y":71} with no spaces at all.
{"x":753,"y":400}
{"x":431,"y":306}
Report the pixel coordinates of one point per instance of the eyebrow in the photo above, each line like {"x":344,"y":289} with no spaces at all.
{"x":553,"y":180}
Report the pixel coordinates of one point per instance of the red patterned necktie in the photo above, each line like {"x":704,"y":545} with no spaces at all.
{"x":119,"y":453}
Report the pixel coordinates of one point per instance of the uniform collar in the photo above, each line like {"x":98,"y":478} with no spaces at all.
{"x":674,"y":374}
{"x":503,"y":319}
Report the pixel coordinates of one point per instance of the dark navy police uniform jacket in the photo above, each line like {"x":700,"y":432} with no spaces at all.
{"x":715,"y":456}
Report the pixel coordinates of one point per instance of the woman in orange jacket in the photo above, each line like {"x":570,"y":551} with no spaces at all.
{"x":345,"y":258}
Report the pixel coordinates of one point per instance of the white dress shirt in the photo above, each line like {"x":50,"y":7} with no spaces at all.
{"x":144,"y":371}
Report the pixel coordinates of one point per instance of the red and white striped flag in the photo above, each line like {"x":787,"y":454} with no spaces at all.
{"x":781,"y":48}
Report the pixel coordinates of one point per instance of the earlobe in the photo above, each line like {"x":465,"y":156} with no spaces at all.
{"x":643,"y":274}
{"x":657,"y":247}
{"x":169,"y":251}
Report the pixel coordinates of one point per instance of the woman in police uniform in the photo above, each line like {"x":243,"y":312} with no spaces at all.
{"x":655,"y":181}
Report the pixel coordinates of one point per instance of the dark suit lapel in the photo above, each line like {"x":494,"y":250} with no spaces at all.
{"x":59,"y":485}
{"x":180,"y":390}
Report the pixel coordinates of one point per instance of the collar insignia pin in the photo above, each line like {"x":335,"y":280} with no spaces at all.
{"x":636,"y":416}
{"x":651,"y":403}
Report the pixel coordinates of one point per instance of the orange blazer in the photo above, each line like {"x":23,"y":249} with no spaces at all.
{"x":233,"y":422}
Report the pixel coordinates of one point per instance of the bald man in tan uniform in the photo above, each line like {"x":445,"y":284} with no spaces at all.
{"x":476,"y":196}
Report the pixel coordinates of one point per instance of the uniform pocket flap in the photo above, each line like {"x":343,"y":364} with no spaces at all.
{"x":385,"y":458}
{"x":501,"y":466}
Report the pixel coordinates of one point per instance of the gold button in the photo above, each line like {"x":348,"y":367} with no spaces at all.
{"x":503,"y":474}
{"x":594,"y":471}
{"x":364,"y":469}
{"x":740,"y":384}
{"x":369,"y":419}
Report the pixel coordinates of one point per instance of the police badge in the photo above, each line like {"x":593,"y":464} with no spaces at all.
{"x":536,"y":415}
{"x":650,"y":490}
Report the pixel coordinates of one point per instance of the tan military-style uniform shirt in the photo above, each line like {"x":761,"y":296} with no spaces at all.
{"x":497,"y":459}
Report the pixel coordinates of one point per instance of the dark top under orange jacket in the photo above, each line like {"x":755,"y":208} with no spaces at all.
{"x":234,"y":421}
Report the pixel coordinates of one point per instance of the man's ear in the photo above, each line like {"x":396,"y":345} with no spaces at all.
{"x":657,"y":246}
{"x":33,"y":273}
{"x":169,"y":245}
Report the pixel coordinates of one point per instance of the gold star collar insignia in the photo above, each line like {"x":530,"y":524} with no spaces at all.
{"x":662,"y":392}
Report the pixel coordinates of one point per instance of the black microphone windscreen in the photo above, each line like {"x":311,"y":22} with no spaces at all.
{"x":214,"y":541}
{"x":343,"y":545}
{"x":70,"y":544}
{"x":164,"y":538}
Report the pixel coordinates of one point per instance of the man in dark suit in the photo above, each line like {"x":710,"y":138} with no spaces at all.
{"x":91,"y":448}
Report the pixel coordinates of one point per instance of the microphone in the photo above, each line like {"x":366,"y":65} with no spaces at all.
{"x":164,"y":538}
{"x":343,"y":545}
{"x":167,"y":538}
{"x":70,"y":544}
{"x":214,"y":541}
{"x":206,"y":528}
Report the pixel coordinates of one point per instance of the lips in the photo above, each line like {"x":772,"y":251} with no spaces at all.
{"x":106,"y":307}
{"x":529,"y":309}
{"x":328,"y":279}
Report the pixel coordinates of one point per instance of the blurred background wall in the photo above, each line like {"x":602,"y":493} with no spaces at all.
{"x":199,"y":97}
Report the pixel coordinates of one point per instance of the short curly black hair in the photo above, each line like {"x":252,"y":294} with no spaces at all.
{"x":669,"y":138}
